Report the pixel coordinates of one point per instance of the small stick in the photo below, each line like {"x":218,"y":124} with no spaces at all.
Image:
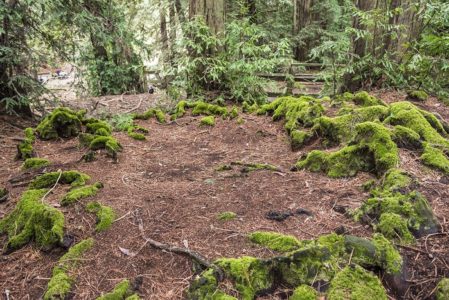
{"x":56,"y":183}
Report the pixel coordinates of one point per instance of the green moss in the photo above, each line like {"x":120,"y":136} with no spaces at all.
{"x":61,"y":282}
{"x":226,"y":216}
{"x":394,"y":226}
{"x":179,"y":110}
{"x":354,"y":283}
{"x":406,"y":138}
{"x":364,"y":99}
{"x":35,"y":163}
{"x":240,"y":121}
{"x":249,"y":108}
{"x":206,"y":287}
{"x":105,"y":215}
{"x":152,"y":112}
{"x":275,"y":241}
{"x":251,"y":275}
{"x":299,"y":138}
{"x":208,"y":121}
{"x":442,"y":292}
{"x":250,"y":167}
{"x":417,"y":95}
{"x":234,"y":113}
{"x":25,"y":148}
{"x":62,"y":122}
{"x":203,"y":108}
{"x":387,"y":256}
{"x":342,"y":128}
{"x":160,"y":116}
{"x":435,"y":158}
{"x":109,"y":143}
{"x":74,"y":195}
{"x":48,"y":180}
{"x":137,"y":132}
{"x":371,"y":150}
{"x":33,"y":220}
{"x":304,"y":292}
{"x":99,"y":127}
{"x":122,"y":291}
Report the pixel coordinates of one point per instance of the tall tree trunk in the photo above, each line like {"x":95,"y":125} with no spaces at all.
{"x":301,"y":18}
{"x":213,"y":12}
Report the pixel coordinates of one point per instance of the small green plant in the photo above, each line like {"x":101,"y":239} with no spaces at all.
{"x":226,"y":216}
{"x":208,"y":121}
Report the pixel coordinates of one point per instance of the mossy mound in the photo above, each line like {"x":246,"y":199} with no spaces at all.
{"x":355,"y":283}
{"x":371,"y":150}
{"x":98,"y":127}
{"x":61,"y":281}
{"x":122,"y":291}
{"x":208,"y":121}
{"x":35,"y":163}
{"x":275,"y":241}
{"x":25,"y":148}
{"x":417,"y":95}
{"x":76,"y":194}
{"x":109,"y":143}
{"x":304,"y":292}
{"x":62,"y":122}
{"x":47,"y":180}
{"x":442,"y":292}
{"x":33,"y":220}
{"x":309,"y":262}
{"x":105,"y":215}
{"x":397,"y":210}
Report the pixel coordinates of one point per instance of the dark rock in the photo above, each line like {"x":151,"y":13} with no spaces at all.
{"x":67,"y":241}
{"x":278,"y":215}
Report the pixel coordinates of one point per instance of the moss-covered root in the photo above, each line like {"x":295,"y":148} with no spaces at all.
{"x":417,"y":95}
{"x":304,"y":292}
{"x":251,"y":167}
{"x":435,"y":158}
{"x":35,"y":163}
{"x":206,"y":287}
{"x":152,"y":112}
{"x":122,"y":291}
{"x":353,"y":282}
{"x":442,"y":292}
{"x":137,"y":132}
{"x":47,"y":180}
{"x":33,"y":220}
{"x":62,"y":122}
{"x":76,"y":194}
{"x":179,"y":110}
{"x":371,"y":150}
{"x":25,"y":148}
{"x":61,"y":281}
{"x":275,"y":241}
{"x":109,"y":143}
{"x":105,"y":215}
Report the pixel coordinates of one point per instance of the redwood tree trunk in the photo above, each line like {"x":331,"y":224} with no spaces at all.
{"x":213,"y":12}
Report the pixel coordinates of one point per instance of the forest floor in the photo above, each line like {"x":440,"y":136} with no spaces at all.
{"x":170,"y":182}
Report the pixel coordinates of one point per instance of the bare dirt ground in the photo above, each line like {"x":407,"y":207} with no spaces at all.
{"x":171,"y":183}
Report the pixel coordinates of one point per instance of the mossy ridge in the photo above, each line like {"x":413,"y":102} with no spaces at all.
{"x":47,"y":180}
{"x":208,"y":121}
{"x":105,"y":215}
{"x":61,"y":122}
{"x":312,"y":261}
{"x":355,"y":283}
{"x":76,"y":194}
{"x":61,"y":282}
{"x":25,"y":148}
{"x":122,"y":291}
{"x":35,"y":163}
{"x":304,"y":292}
{"x":397,"y":210}
{"x":371,"y":150}
{"x":33,"y":220}
{"x":442,"y":292}
{"x":275,"y":241}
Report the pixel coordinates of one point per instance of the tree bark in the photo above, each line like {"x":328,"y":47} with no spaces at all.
{"x":301,"y":18}
{"x":213,"y":12}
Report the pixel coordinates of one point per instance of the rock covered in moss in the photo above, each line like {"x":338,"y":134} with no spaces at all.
{"x":275,"y":241}
{"x":105,"y":215}
{"x":33,"y":220}
{"x":442,"y":292}
{"x":122,"y":291}
{"x":417,"y":95}
{"x":399,"y":210}
{"x":35,"y":163}
{"x":47,"y":180}
{"x":304,"y":292}
{"x":208,"y":121}
{"x":354,"y":283}
{"x":62,"y":122}
{"x":61,"y":280}
{"x":25,"y":148}
{"x":76,"y":194}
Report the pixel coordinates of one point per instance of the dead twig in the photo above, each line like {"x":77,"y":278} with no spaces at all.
{"x":135,"y":107}
{"x":54,"y":186}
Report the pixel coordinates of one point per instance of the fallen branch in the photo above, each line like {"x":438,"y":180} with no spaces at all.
{"x":136,"y":107}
